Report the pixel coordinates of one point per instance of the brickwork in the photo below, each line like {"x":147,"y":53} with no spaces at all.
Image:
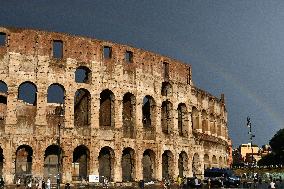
{"x":105,"y":123}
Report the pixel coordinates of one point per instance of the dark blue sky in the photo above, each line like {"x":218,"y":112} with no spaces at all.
{"x":234,"y":47}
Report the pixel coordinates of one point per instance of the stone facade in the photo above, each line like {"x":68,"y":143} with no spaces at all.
{"x":134,"y":115}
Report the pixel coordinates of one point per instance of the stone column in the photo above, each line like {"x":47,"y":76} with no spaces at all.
{"x":158,"y":164}
{"x":94,"y":162}
{"x":41,"y":106}
{"x":139,"y":166}
{"x":175,"y":121}
{"x":199,"y":122}
{"x":11,"y":117}
{"x":38,"y":162}
{"x":175,"y":165}
{"x":118,"y":112}
{"x":189,"y":124}
{"x":9,"y":164}
{"x":139,"y":116}
{"x":95,"y":110}
{"x":69,"y":108}
{"x":117,"y":166}
{"x":67,"y":164}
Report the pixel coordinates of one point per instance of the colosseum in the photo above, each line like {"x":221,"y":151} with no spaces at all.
{"x":80,"y":106}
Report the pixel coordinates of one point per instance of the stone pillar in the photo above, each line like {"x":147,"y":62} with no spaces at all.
{"x":189,"y":124}
{"x":139,"y":116}
{"x":9,"y":164}
{"x":189,"y":166}
{"x":157,"y":116}
{"x":41,"y":106}
{"x":69,"y":108}
{"x":175,"y":121}
{"x":38,"y":162}
{"x":175,"y":165}
{"x":139,"y":166}
{"x":118,"y":112}
{"x":117,"y":166}
{"x":158,"y":164}
{"x":94,"y":162}
{"x":95,"y":110}
{"x":199,"y":118}
{"x":11,"y":117}
{"x":67,"y":164}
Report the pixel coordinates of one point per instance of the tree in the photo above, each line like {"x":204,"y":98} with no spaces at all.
{"x":276,"y":143}
{"x":277,"y":146}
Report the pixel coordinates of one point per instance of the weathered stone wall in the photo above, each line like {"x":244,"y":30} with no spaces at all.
{"x":27,"y":56}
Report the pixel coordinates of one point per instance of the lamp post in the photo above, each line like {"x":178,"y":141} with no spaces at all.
{"x":58,"y":177}
{"x":251,"y":136}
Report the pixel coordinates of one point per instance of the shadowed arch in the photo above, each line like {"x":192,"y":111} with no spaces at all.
{"x":148,"y":163}
{"x":80,"y":165}
{"x":128,"y":164}
{"x":106,"y":163}
{"x":107,"y":109}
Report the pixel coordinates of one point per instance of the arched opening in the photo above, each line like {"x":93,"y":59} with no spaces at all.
{"x":83,"y":75}
{"x":206,"y":161}
{"x":195,"y":118}
{"x":221,"y":162}
{"x":128,"y":115}
{"x":196,"y":166}
{"x":106,"y":163}
{"x":80,"y":164}
{"x":218,"y":126}
{"x":183,"y":164}
{"x":82,"y":108}
{"x":148,"y":111}
{"x":167,"y":117}
{"x":182,"y":120}
{"x":3,"y":104}
{"x":27,"y":93}
{"x":204,"y":122}
{"x":3,"y":93}
{"x":52,"y":162}
{"x":55,"y":94}
{"x":1,"y":162}
{"x":128,"y":165}
{"x":214,"y":161}
{"x":225,"y":163}
{"x":106,"y":109}
{"x":55,"y":107}
{"x":167,"y":89}
{"x":148,"y":162}
{"x":167,"y":165}
{"x":24,"y":159}
{"x":212,"y":124}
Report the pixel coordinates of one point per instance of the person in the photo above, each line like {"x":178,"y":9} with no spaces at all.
{"x":29,"y":184}
{"x":2,"y":183}
{"x":39,"y":185}
{"x":43,"y":184}
{"x":196,"y":182}
{"x":48,"y":183}
{"x":272,"y":184}
{"x":67,"y":186}
{"x":18,"y":183}
{"x":141,"y":184}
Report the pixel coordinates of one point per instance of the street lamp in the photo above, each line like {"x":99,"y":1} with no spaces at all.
{"x":251,"y":136}
{"x":61,"y":115}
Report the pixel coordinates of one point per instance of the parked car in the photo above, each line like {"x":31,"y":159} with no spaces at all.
{"x":221,"y":177}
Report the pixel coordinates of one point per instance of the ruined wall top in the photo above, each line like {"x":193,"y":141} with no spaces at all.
{"x":88,"y":50}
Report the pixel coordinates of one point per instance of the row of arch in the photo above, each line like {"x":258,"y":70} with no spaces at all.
{"x":106,"y":162}
{"x":82,"y":110}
